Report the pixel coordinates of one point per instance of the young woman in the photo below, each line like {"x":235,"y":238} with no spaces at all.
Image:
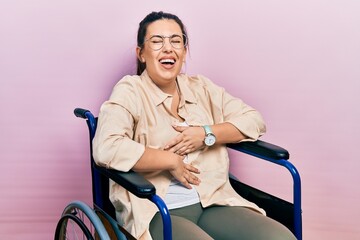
{"x":172,"y":129}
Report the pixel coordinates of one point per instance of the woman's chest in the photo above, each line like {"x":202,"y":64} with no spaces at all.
{"x":157,"y":121}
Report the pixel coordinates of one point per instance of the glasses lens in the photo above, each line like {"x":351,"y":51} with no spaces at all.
{"x":156,"y":42}
{"x":177,"y":41}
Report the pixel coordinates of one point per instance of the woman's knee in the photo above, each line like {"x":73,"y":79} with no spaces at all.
{"x":182,"y":229}
{"x":241,"y":223}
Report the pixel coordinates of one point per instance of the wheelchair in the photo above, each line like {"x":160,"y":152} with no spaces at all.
{"x":80,"y":221}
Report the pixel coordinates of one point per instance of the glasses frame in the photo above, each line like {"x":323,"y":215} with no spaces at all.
{"x":169,"y":37}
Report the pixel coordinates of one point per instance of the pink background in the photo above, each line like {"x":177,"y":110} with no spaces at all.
{"x":298,"y":62}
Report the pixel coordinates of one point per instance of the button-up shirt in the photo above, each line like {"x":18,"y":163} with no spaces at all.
{"x":138,"y":115}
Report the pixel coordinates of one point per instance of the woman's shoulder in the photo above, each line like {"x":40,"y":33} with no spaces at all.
{"x":129,"y":80}
{"x":199,"y":80}
{"x":126,"y":86}
{"x":128,"y":83}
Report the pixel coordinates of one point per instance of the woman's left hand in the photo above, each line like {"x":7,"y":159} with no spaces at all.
{"x":189,"y":140}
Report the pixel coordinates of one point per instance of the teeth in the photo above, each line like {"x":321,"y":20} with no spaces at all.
{"x":167,"y":61}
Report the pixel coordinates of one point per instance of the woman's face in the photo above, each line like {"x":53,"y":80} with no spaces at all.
{"x":165,"y":64}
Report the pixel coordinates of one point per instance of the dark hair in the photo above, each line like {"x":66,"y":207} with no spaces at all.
{"x":150,"y":18}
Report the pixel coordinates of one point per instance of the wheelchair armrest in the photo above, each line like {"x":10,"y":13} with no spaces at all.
{"x":131,"y":181}
{"x":261,"y":149}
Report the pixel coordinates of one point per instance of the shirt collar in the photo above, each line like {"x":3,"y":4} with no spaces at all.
{"x":154,"y":91}
{"x":184,"y":89}
{"x":159,"y":96}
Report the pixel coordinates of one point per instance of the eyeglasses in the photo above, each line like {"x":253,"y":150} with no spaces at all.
{"x":156,"y":42}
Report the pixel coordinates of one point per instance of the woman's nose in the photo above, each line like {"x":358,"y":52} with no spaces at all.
{"x":167,"y":45}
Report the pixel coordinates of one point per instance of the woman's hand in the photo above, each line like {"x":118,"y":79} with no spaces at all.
{"x":184,"y":173}
{"x":189,"y":140}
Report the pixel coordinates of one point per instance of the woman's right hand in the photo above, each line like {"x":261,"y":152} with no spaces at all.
{"x":185,"y":173}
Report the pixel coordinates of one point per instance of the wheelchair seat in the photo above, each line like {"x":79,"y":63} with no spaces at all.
{"x":99,"y":222}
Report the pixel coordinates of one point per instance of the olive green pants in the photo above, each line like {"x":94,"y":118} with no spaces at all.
{"x":220,"y":223}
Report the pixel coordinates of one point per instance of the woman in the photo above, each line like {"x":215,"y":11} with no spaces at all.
{"x":172,"y":129}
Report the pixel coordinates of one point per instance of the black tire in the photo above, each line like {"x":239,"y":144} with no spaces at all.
{"x":63,"y":233}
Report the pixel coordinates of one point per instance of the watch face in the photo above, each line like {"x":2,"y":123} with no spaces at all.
{"x":210,"y":140}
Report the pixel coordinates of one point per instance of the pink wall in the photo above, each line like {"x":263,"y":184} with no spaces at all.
{"x":296,"y":61}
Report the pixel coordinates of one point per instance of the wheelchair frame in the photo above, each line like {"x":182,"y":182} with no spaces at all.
{"x":142,"y":188}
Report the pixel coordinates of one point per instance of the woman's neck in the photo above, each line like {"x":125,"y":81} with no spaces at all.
{"x":169,"y":88}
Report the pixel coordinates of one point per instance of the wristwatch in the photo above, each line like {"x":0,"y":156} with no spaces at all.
{"x":210,"y":138}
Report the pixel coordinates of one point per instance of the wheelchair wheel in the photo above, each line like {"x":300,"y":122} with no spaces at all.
{"x":79,"y":221}
{"x":71,"y":227}
{"x":112,"y":227}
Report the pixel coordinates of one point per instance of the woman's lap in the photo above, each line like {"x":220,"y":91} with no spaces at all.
{"x":182,"y":229}
{"x":241,"y":223}
{"x":194,"y":222}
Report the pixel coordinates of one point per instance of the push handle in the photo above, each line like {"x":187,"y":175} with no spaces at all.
{"x":80,"y":112}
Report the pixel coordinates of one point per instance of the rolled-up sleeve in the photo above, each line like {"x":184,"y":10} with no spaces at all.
{"x":113,"y":144}
{"x":245,"y":118}
{"x":227,"y":108}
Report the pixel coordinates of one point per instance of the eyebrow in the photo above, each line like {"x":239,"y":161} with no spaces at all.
{"x":159,"y":35}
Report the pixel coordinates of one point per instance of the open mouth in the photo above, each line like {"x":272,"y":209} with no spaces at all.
{"x":167,"y":61}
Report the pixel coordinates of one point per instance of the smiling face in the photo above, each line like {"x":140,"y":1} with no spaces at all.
{"x":165,"y":64}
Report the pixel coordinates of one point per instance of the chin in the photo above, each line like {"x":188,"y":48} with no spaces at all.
{"x":170,"y":75}
{"x":166,"y":79}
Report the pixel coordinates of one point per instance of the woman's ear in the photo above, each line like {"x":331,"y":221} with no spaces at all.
{"x":140,"y":55}
{"x":185,"y":55}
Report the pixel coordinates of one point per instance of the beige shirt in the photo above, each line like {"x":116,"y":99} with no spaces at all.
{"x":138,"y":115}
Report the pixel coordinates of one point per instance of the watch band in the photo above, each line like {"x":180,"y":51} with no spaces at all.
{"x":207,"y":129}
